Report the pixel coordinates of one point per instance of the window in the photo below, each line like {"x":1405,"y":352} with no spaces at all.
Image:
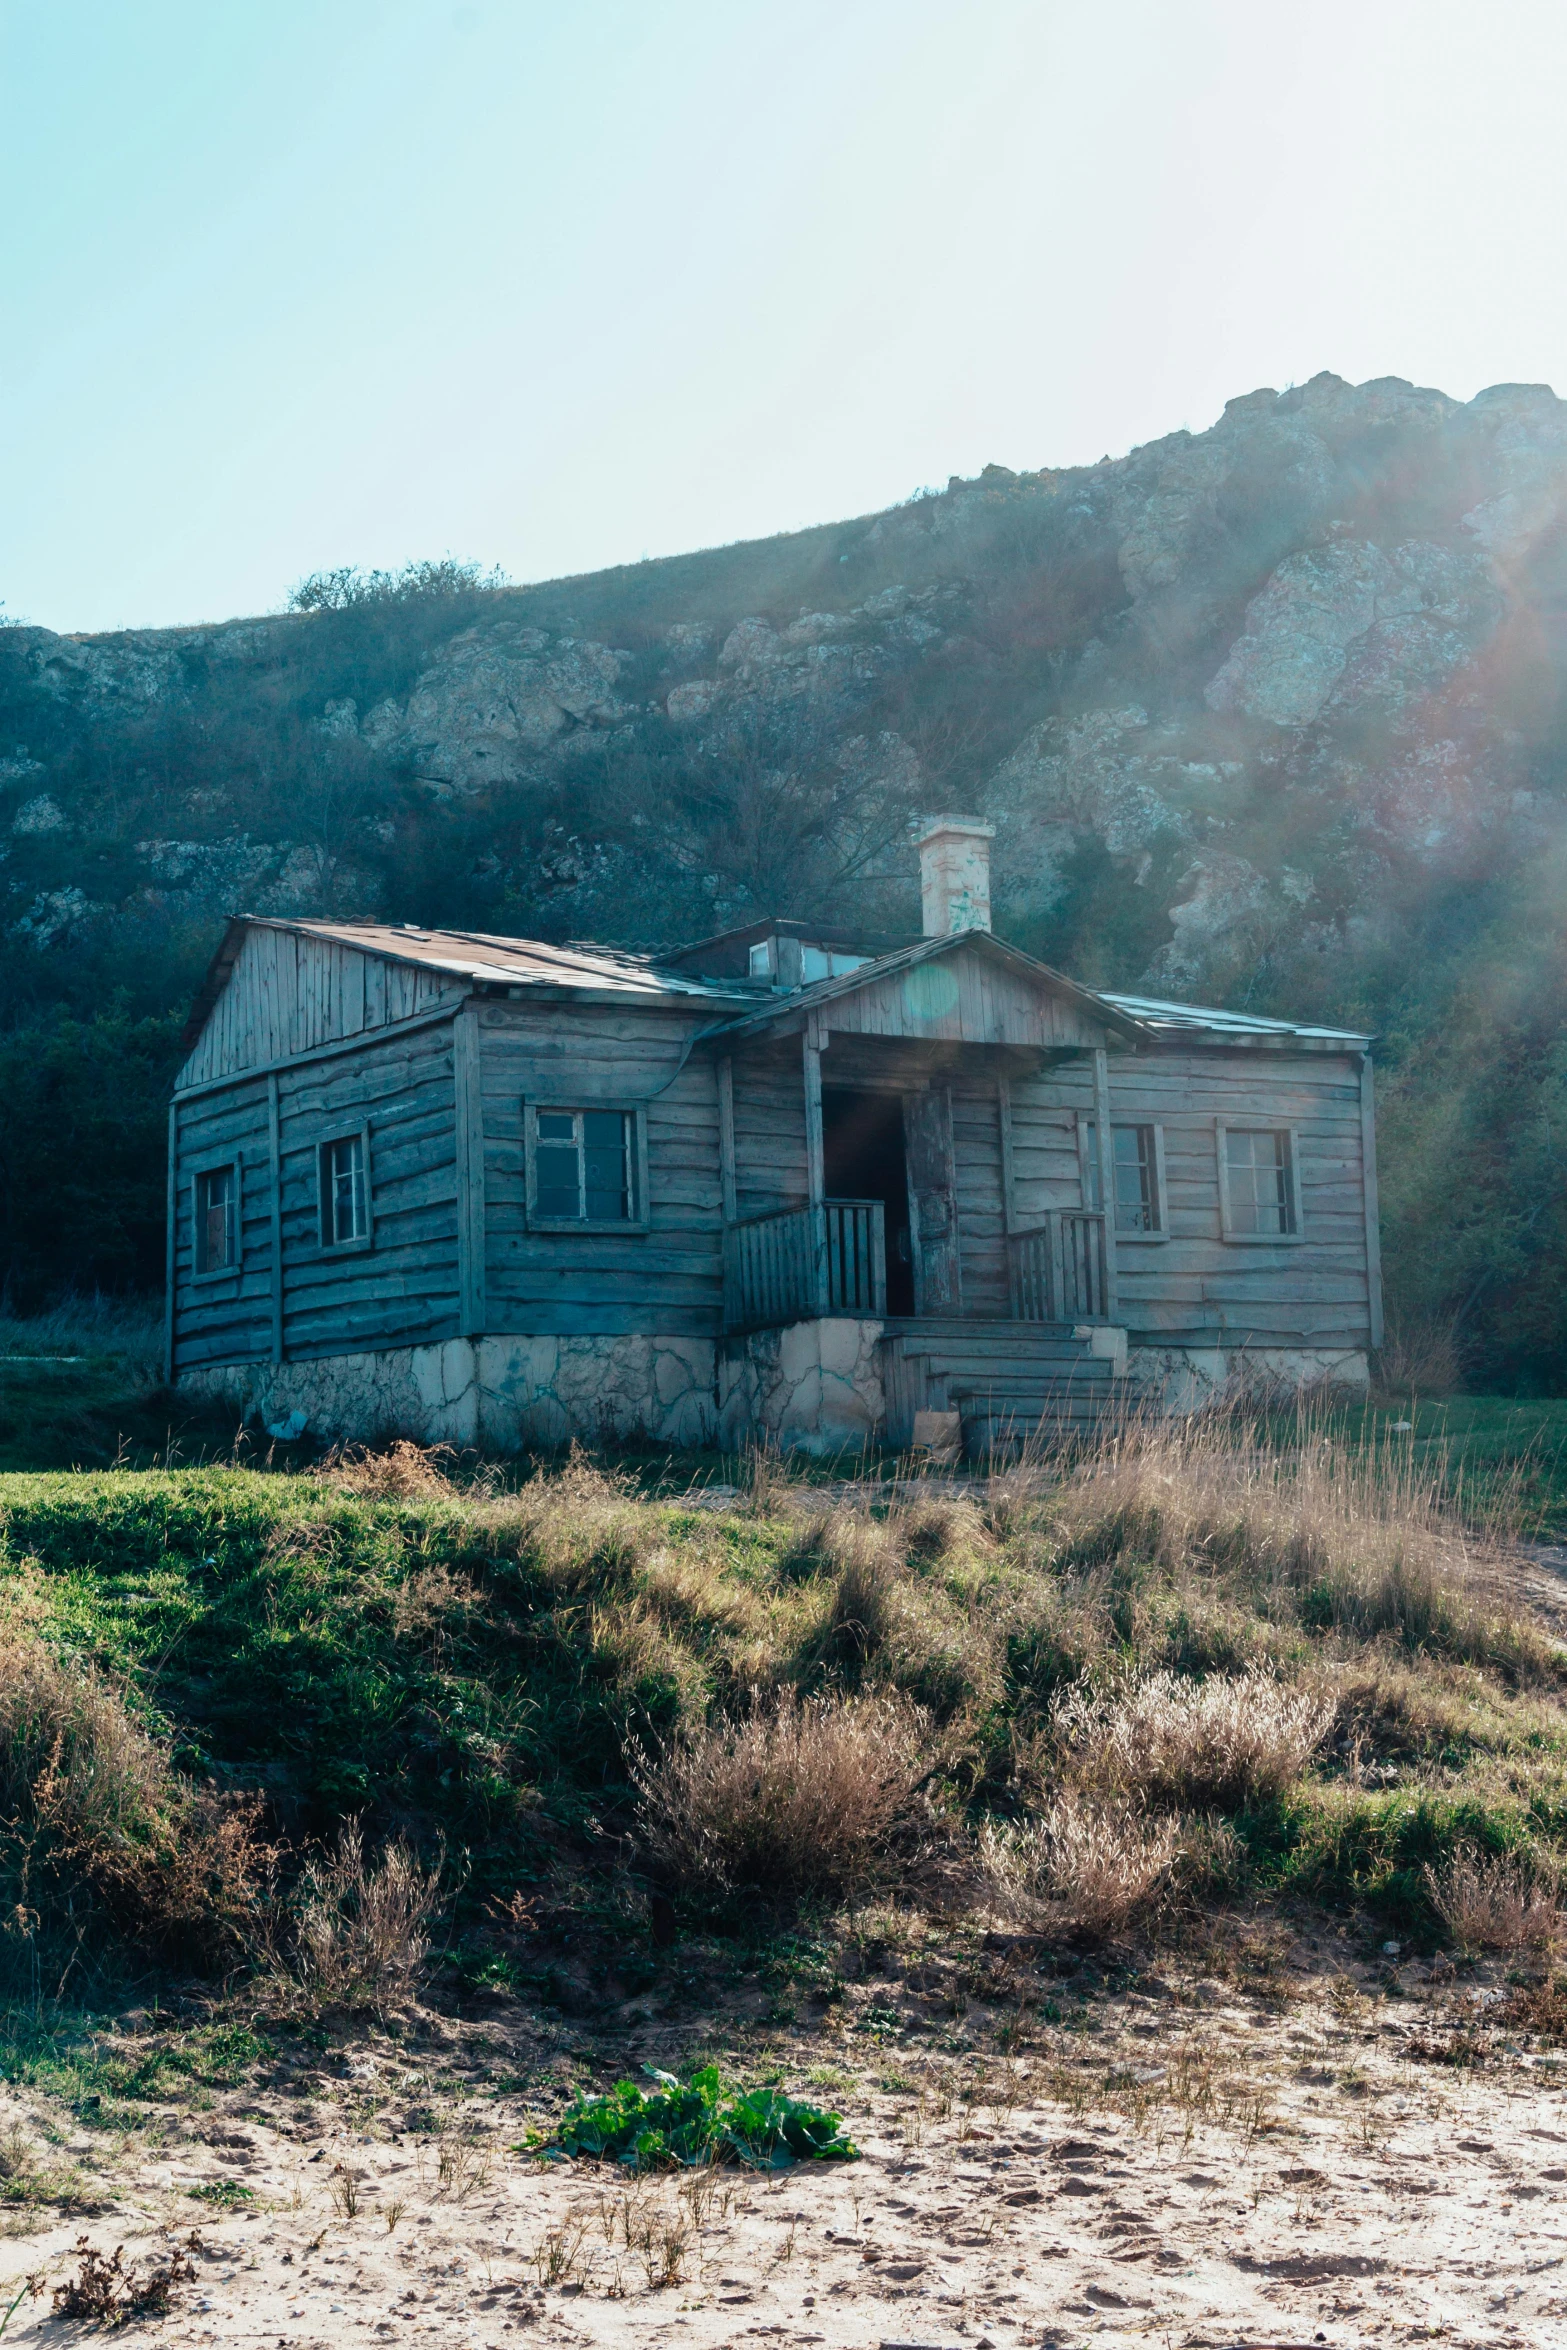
{"x":586,"y":1167}
{"x":1138,"y":1153}
{"x":827,"y":963}
{"x":761,"y":959}
{"x":1259,"y":1194}
{"x":345,"y":1191}
{"x":217,"y":1220}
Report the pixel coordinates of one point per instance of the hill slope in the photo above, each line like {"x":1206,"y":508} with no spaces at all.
{"x":1271,"y":714}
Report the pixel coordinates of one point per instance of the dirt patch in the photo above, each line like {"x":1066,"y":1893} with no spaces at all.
{"x":1198,"y":2159}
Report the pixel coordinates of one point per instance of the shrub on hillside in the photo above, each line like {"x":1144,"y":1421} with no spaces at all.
{"x":1191,"y":1745}
{"x":799,"y":1797}
{"x":1088,"y":1866}
{"x":100,"y":1829}
{"x":362,"y":1930}
{"x":1492,"y":1901}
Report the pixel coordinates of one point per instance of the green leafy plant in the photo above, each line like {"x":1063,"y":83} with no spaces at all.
{"x":689,"y":2122}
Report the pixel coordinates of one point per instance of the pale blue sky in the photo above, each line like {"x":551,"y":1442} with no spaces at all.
{"x":292,"y":283}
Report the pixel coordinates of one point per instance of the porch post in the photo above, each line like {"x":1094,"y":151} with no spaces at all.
{"x":726,"y":1136}
{"x":815,"y":1160}
{"x":1106,"y":1149}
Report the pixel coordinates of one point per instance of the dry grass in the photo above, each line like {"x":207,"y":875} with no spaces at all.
{"x":1191,"y":1745}
{"x":797,"y":1797}
{"x":1088,"y":1866}
{"x":1337,"y":1539}
{"x":1419,"y":1356}
{"x":1498,"y":1902}
{"x":402,"y":1471}
{"x":96,"y":1824}
{"x":362,"y":1931}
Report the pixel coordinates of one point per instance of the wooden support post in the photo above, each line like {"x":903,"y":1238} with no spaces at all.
{"x":815,"y":1156}
{"x":1368,"y":1170}
{"x":1008,"y":1172}
{"x":275,"y":1159}
{"x":168,"y":1245}
{"x":1106,"y":1147}
{"x":726,"y":1137}
{"x":470,"y":1173}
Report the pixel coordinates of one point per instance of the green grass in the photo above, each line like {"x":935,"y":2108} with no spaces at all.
{"x":1487,"y":1452}
{"x":468,"y":1667}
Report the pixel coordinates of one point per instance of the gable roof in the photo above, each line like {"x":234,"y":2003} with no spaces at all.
{"x":742,"y":1008}
{"x":1105,"y":1009}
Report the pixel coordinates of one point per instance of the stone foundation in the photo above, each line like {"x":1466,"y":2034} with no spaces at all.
{"x":544,"y":1391}
{"x":1184,"y":1379}
{"x":811,"y":1387}
{"x":504,"y":1393}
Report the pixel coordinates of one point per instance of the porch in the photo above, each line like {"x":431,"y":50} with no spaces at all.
{"x":830,"y":1258}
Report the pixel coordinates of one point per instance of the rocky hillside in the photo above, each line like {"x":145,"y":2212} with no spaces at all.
{"x":1271,"y":714}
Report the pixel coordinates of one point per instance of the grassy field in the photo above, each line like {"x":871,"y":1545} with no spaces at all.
{"x":555,"y":1707}
{"x":1258,"y":1670}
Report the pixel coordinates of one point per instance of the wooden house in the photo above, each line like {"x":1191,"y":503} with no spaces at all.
{"x":771,"y":1186}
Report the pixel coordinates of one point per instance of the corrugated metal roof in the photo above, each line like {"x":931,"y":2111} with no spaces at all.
{"x":1182,"y":1019}
{"x":510,"y":962}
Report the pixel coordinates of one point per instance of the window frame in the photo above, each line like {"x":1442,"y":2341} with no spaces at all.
{"x":214,"y":1164}
{"x":344,"y":1248}
{"x":1161,"y":1231}
{"x":1222,"y":1129}
{"x":636,"y":1112}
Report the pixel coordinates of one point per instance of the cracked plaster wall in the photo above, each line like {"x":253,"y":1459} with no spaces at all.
{"x":505,"y":1392}
{"x":1182,"y":1379}
{"x":812,"y":1387}
{"x":427,"y":1392}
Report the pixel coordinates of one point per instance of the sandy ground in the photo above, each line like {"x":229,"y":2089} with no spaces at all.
{"x":1192,"y":2163}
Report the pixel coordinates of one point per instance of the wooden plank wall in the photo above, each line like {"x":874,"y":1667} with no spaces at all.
{"x":288,"y":994}
{"x":962,"y":998}
{"x":668,"y":1279}
{"x":770,"y":1162}
{"x":976,"y":1150}
{"x":1045,"y":1111}
{"x":401,"y":1292}
{"x":1194,"y":1285}
{"x":228,"y":1320}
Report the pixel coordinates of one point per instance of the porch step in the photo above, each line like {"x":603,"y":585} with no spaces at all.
{"x":1012,"y":1383}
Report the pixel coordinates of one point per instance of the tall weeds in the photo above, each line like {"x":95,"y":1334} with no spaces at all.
{"x":795,"y":1798}
{"x":97,"y":1828}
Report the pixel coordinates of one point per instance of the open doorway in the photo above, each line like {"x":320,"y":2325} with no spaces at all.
{"x":863,"y":1158}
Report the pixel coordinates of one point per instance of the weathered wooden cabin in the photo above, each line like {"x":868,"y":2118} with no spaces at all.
{"x":774,"y":1185}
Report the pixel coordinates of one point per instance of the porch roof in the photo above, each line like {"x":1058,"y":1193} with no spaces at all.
{"x":789,"y":1010}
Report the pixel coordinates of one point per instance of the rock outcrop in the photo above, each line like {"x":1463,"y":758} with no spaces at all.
{"x":1270,"y":681}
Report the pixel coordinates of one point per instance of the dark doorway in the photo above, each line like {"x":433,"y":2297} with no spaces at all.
{"x":862,"y":1151}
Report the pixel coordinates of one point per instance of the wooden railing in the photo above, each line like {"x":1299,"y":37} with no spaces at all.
{"x":806,"y":1261}
{"x":1058,"y":1269}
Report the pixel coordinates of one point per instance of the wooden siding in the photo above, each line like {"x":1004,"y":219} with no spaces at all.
{"x":976,"y":1150}
{"x":770,"y":1157}
{"x":401,"y":1291}
{"x":289,"y":994}
{"x":226,"y":1318}
{"x":668,"y":1279}
{"x":1194,"y":1285}
{"x":417,"y":1285}
{"x":964,"y":998}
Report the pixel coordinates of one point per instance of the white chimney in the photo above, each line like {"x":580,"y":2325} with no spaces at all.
{"x":955,"y":874}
